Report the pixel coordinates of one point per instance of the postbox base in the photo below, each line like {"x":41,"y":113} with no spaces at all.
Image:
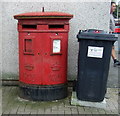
{"x":43,"y":92}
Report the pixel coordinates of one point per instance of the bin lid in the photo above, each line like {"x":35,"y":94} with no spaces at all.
{"x":38,"y":15}
{"x":96,"y":35}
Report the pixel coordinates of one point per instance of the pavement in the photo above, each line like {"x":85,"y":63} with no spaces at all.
{"x":113,"y":80}
{"x":12,"y":104}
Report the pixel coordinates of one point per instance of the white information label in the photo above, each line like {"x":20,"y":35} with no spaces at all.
{"x":56,"y":46}
{"x":96,"y":52}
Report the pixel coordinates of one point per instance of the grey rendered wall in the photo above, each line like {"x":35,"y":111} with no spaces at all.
{"x":86,"y":15}
{"x":0,"y":58}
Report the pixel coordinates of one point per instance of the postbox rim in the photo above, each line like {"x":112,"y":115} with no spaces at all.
{"x":38,"y":15}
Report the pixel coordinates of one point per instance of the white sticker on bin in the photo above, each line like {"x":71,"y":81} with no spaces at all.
{"x":56,"y":46}
{"x":95,"y":52}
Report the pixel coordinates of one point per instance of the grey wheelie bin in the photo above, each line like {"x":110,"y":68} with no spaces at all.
{"x":93,"y":64}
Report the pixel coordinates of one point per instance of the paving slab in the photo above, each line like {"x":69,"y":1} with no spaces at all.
{"x":14,"y":105}
{"x":75,"y":101}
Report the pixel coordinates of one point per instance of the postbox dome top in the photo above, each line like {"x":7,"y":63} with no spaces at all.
{"x":38,"y":15}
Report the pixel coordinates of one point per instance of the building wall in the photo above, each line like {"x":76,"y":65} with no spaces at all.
{"x":86,"y":15}
{"x":0,"y":41}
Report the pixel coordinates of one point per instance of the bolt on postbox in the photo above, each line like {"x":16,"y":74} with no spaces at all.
{"x":43,"y":44}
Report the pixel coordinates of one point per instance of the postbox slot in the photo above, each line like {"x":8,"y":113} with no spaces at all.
{"x":56,"y":26}
{"x":29,"y":26}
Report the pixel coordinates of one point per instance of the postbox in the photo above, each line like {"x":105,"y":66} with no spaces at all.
{"x":43,"y":45}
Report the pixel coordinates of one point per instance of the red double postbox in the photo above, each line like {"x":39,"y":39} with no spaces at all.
{"x":43,"y":44}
